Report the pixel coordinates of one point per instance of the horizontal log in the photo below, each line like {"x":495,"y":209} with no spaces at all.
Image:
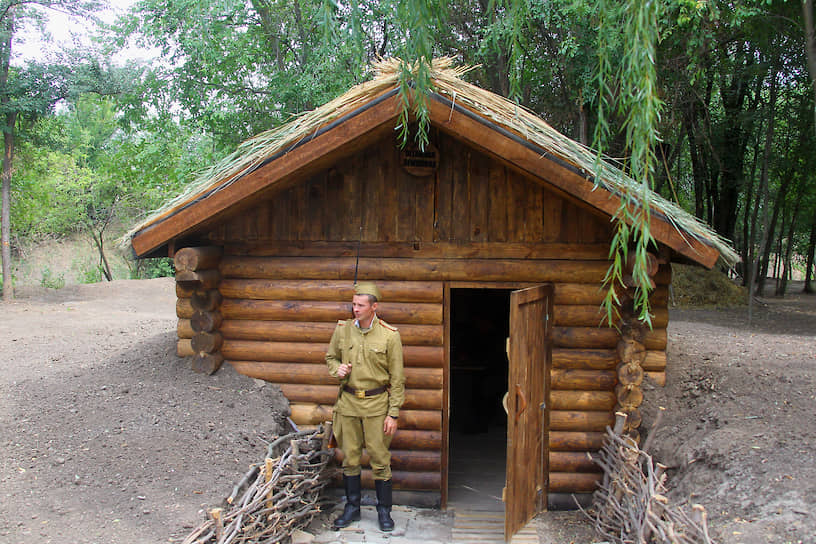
{"x":576,"y":441}
{"x":583,"y":359}
{"x":314,"y":353}
{"x":563,"y":420}
{"x":184,"y":308}
{"x":202,"y":279}
{"x":328,"y":290}
{"x":596,"y":401}
{"x":657,"y":377}
{"x":593,"y":294}
{"x":574,"y":482}
{"x":403,"y":460}
{"x":416,"y":313}
{"x":586,"y":380}
{"x":206,"y":300}
{"x":318,"y":374}
{"x":313,"y":414}
{"x":402,"y":480}
{"x":184,"y":348}
{"x":383,"y":269}
{"x":415,"y":399}
{"x":205,"y":321}
{"x":424,"y":250}
{"x":572,"y":461}
{"x":207,"y":342}
{"x":593,"y":316}
{"x":197,"y":258}
{"x":184,"y":329}
{"x":303,"y":331}
{"x":655,"y":361}
{"x":595,"y":338}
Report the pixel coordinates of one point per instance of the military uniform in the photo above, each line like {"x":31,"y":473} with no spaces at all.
{"x":376,"y":358}
{"x":371,"y":391}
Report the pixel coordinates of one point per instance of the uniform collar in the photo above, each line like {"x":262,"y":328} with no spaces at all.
{"x":373,"y":322}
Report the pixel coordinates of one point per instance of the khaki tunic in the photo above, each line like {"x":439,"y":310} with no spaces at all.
{"x":376,"y":358}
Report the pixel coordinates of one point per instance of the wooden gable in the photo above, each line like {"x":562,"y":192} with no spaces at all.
{"x":471,"y":199}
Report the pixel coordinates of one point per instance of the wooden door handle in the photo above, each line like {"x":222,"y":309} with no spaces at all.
{"x":522,"y":401}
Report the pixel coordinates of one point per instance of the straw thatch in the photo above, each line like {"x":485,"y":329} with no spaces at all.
{"x":446,"y":80}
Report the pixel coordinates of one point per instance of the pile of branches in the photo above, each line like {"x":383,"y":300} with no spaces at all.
{"x":275,"y":497}
{"x":631,"y":504}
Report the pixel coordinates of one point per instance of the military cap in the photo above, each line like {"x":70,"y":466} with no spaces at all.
{"x":366,"y":288}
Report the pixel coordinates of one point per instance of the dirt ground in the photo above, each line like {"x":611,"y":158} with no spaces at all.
{"x":108,"y":437}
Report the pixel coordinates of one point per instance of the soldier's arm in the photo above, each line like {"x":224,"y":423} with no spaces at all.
{"x":396,"y":375}
{"x":334,"y":356}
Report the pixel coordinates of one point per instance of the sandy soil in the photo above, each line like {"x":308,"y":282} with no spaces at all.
{"x":108,"y":437}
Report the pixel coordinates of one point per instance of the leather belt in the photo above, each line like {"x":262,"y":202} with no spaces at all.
{"x":363,"y":393}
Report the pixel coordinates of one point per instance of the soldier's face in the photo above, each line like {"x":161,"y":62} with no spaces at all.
{"x":363,"y":308}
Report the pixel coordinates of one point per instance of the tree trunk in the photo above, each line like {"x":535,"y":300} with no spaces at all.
{"x":786,"y":262}
{"x":810,"y":46}
{"x":810,"y":256}
{"x":8,"y":155}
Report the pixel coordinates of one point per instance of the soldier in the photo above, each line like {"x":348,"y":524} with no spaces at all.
{"x":365,"y":353}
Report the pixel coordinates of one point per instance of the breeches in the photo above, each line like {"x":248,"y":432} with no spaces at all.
{"x":355,"y":433}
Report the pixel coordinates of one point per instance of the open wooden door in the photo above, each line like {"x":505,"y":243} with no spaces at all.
{"x":529,"y":351}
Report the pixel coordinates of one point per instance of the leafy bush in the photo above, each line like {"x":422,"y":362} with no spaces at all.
{"x":161,"y":267}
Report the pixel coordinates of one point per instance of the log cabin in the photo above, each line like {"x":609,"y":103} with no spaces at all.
{"x":490,"y":246}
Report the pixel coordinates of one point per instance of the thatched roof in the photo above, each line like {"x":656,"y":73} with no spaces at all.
{"x":488,"y":107}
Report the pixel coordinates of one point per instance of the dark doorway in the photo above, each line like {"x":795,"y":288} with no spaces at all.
{"x":478,"y":381}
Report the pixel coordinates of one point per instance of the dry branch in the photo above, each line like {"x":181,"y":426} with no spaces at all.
{"x":275,"y":497}
{"x":631,"y":504}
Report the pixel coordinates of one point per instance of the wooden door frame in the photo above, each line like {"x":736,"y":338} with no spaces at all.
{"x":446,"y":377}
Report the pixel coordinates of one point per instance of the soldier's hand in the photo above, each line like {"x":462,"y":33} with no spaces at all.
{"x":390,"y":426}
{"x":343,"y":370}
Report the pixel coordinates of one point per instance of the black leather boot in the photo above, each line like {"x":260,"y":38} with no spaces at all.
{"x":384,"y":505}
{"x":351,"y":512}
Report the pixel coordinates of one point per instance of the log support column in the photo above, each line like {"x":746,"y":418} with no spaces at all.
{"x":197,"y":274}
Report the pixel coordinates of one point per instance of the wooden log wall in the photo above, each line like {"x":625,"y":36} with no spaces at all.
{"x":198,"y":307}
{"x":585,"y":388}
{"x":278,"y":314}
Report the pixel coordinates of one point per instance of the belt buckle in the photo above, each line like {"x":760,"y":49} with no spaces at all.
{"x":360,"y":393}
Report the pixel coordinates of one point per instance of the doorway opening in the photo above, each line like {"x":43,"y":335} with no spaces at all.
{"x":480,"y":324}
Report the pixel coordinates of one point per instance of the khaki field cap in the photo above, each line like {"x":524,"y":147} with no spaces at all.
{"x":367,"y":288}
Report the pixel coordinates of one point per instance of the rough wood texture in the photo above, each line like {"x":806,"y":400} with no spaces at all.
{"x":327,"y":290}
{"x":563,"y":420}
{"x":415,"y":399}
{"x":202,"y":279}
{"x":591,"y":316}
{"x":205,"y":321}
{"x":583,"y":380}
{"x":301,"y":352}
{"x":197,"y":258}
{"x":318,"y":374}
{"x":574,"y":482}
{"x":582,"y":400}
{"x":207,"y":342}
{"x":595,"y":338}
{"x":301,"y":331}
{"x":517,"y":270}
{"x":206,"y":300}
{"x":207,"y":363}
{"x":404,"y":460}
{"x":576,"y":441}
{"x":313,"y":414}
{"x":184,"y":329}
{"x":572,"y":461}
{"x":184,"y":348}
{"x":415,"y":313}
